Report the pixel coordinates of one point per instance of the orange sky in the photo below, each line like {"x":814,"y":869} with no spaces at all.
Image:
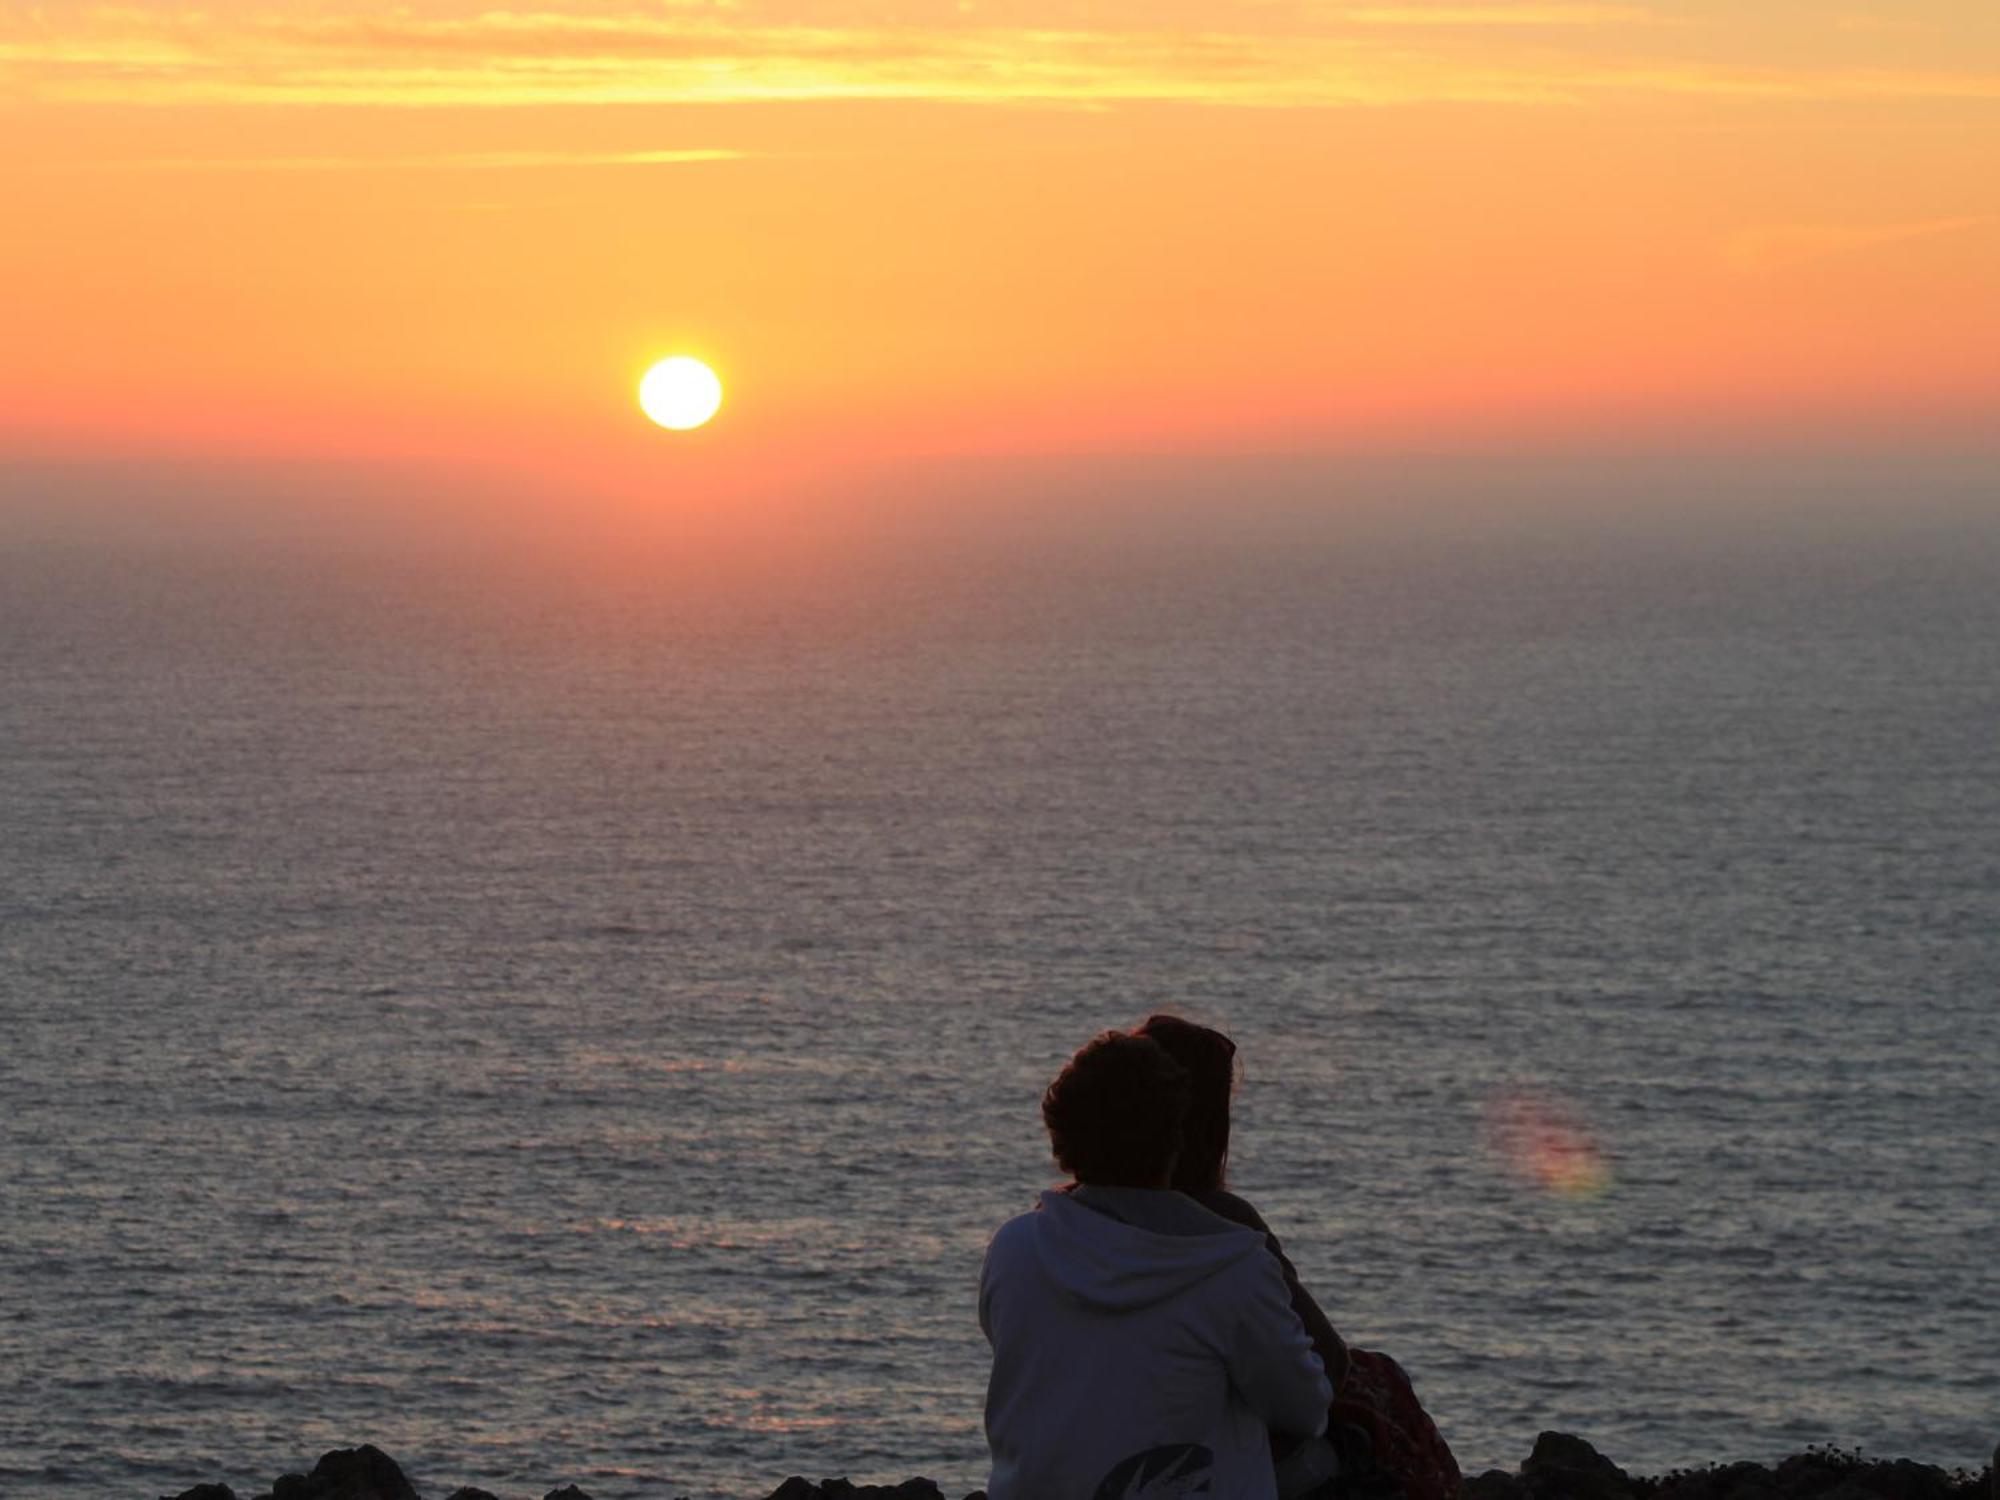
{"x":454,"y":234}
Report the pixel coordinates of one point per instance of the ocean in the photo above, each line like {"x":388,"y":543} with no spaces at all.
{"x":569,"y":1020}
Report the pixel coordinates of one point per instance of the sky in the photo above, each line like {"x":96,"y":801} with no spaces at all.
{"x":265,"y":242}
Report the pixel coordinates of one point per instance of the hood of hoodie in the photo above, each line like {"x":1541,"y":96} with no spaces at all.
{"x":1106,"y":1262}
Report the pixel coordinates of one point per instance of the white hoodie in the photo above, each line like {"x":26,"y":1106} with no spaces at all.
{"x":1143,"y":1348}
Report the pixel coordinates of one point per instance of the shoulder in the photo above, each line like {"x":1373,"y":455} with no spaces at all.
{"x":1237,"y":1210}
{"x":1014,"y":1236}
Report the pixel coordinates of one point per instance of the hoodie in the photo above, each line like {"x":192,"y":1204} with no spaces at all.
{"x":1143,"y":1349}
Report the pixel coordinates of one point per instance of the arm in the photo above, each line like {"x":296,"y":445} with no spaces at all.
{"x":1270,"y":1359}
{"x":1328,"y":1344}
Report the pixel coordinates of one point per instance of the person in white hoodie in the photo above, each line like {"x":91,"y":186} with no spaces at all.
{"x":1144,"y":1348}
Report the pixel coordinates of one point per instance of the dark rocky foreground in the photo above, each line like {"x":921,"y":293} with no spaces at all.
{"x":1567,"y":1468}
{"x":1561,"y":1468}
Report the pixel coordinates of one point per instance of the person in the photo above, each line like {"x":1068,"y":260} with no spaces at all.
{"x":1386,"y":1443}
{"x":1142,"y":1345}
{"x":1202,"y":1164}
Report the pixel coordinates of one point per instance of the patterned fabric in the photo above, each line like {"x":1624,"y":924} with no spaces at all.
{"x":1404,"y":1445}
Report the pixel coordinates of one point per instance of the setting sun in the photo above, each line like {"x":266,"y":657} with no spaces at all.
{"x":680,"y":393}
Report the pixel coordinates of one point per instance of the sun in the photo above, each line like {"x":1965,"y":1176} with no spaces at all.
{"x":680,"y":393}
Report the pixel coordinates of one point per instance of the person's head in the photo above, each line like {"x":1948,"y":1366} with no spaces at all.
{"x":1210,"y":1060}
{"x":1114,"y":1112}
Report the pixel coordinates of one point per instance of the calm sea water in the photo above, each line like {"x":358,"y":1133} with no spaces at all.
{"x":564,"y":1022}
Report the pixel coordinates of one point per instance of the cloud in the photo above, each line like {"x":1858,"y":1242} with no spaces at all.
{"x":470,"y":161}
{"x":521,"y":58}
{"x":1387,"y":54}
{"x":1493,"y":15}
{"x":1777,"y":247}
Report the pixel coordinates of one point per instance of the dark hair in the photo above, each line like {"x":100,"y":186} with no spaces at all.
{"x":1114,"y":1112}
{"x":1210,"y":1060}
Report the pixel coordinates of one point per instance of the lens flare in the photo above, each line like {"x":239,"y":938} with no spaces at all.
{"x":1545,"y":1144}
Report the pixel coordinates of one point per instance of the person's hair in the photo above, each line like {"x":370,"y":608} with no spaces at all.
{"x":1114,"y":1112}
{"x":1210,"y":1060}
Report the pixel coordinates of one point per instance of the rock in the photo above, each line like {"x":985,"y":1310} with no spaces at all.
{"x":364,"y":1473}
{"x":1907,"y":1480}
{"x":1806,"y":1475}
{"x":1816,"y":1474}
{"x":1834,"y":1476}
{"x":1744,"y":1481}
{"x":1561,"y":1450}
{"x":1738,"y":1481}
{"x":1751,"y":1487}
{"x":1563,"y":1467}
{"x":796,"y":1488}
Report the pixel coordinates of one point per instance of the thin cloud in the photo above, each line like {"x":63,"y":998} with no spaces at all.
{"x":1823,"y":85}
{"x":1493,"y":15}
{"x":1780,"y":246}
{"x":469,"y":161}
{"x":528,"y":58}
{"x":501,"y":58}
